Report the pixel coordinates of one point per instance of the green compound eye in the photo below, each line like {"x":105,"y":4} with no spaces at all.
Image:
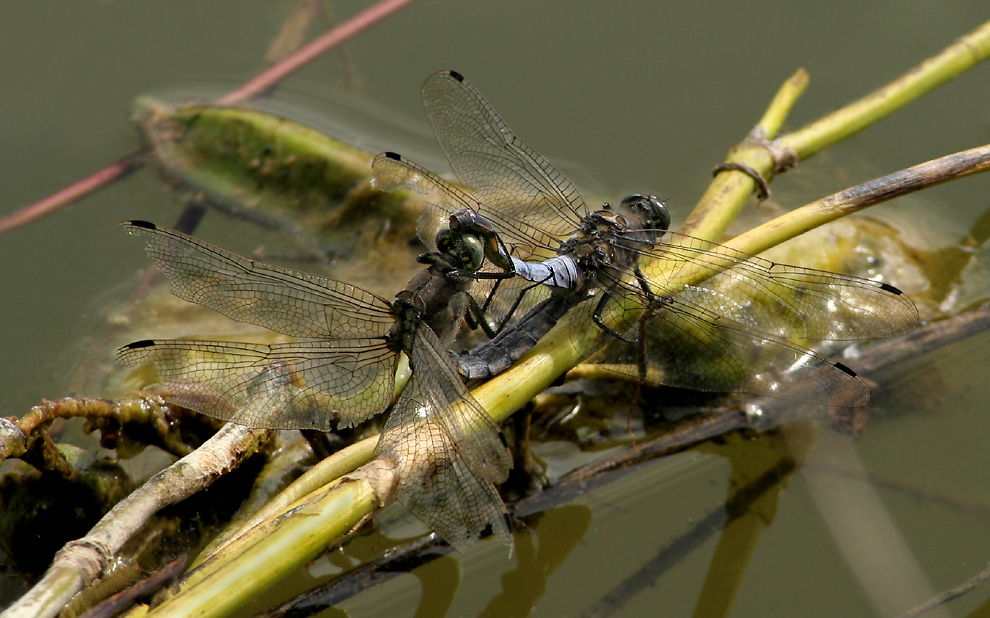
{"x":652,"y":210}
{"x":467,"y":250}
{"x":472,"y":252}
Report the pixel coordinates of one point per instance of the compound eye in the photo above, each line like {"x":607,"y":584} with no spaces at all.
{"x":660,"y":214}
{"x":652,"y":210}
{"x":474,"y":252}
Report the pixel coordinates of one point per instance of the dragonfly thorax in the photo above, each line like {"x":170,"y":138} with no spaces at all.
{"x":597,"y":244}
{"x":435,"y":297}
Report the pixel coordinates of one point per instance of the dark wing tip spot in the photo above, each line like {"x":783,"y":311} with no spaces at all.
{"x":842,"y":367}
{"x":886,"y":287}
{"x":456,"y":75}
{"x":144,"y":343}
{"x":501,"y":436}
{"x":148,"y":225}
{"x":392,"y":155}
{"x":508,"y":522}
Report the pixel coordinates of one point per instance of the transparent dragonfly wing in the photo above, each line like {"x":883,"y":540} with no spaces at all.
{"x":319,"y":384}
{"x":532,"y":204}
{"x":500,"y":298}
{"x":682,"y":345}
{"x":393,"y":172}
{"x":449,"y":451}
{"x":727,"y":332}
{"x":286,"y":301}
{"x":778,"y":299}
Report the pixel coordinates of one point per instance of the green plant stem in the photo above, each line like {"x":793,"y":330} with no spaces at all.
{"x":220,"y":588}
{"x":82,"y":561}
{"x":327,"y":471}
{"x":854,"y":199}
{"x":780,"y":107}
{"x":730,"y":190}
{"x":963,"y":54}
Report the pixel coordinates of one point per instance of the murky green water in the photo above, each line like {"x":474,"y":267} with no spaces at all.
{"x":625,"y":97}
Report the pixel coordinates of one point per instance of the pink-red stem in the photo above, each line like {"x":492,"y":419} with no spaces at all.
{"x":68,"y":195}
{"x":313,"y":50}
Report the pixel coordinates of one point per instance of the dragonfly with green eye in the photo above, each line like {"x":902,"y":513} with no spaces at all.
{"x":341,"y":368}
{"x":723,"y":323}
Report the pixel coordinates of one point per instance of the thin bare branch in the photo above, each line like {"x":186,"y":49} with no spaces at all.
{"x":950,"y":594}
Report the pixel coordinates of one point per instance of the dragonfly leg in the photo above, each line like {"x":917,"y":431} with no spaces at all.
{"x":644,"y":285}
{"x":597,"y":317}
{"x":515,"y":304}
{"x":475,"y":317}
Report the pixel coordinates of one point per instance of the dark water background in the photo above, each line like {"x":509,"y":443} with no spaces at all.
{"x":626,"y":97}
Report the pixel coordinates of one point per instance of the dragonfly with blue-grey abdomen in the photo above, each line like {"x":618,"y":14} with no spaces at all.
{"x":670,"y":309}
{"x":341,"y":369}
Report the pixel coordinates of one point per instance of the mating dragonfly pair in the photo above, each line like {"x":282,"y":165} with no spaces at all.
{"x":513,"y":252}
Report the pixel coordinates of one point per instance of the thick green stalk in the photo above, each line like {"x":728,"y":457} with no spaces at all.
{"x":219,"y":588}
{"x":327,"y":471}
{"x":731,"y":190}
{"x":854,"y":199}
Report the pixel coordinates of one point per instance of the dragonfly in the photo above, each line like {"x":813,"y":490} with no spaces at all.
{"x":724,"y":323}
{"x":340,"y":369}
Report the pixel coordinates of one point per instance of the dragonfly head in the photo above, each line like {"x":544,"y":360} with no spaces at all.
{"x":648,"y":209}
{"x":464,"y":250}
{"x":470,"y":239}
